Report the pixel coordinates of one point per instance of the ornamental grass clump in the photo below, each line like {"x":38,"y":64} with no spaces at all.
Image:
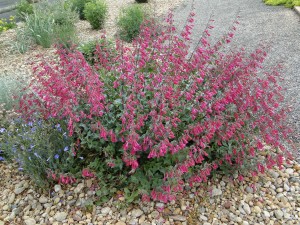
{"x":95,"y":12}
{"x":157,"y":116}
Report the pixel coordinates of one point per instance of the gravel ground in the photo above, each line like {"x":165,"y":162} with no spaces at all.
{"x":271,"y":198}
{"x":276,"y":26}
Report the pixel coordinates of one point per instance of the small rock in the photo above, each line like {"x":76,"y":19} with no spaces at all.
{"x":274,"y":174}
{"x":120,"y":223}
{"x":256,"y":209}
{"x":43,"y":200}
{"x":266,"y":214}
{"x":105,"y":210}
{"x":227,"y":205}
{"x":57,"y":188}
{"x":278,"y":214}
{"x":11,"y":198}
{"x":60,"y":216}
{"x":246,"y":208}
{"x":245,"y":223}
{"x":249,"y":189}
{"x":289,"y":171}
{"x":79,"y":188}
{"x":136,"y":213}
{"x":178,"y":218}
{"x":216,"y":192}
{"x":19,"y":190}
{"x":204,"y":218}
{"x":30,"y":221}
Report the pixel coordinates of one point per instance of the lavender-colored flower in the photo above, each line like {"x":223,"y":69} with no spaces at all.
{"x":66,"y":148}
{"x":32,"y":146}
{"x":30,"y":124}
{"x":1,"y":158}
{"x":80,"y":157}
{"x":36,"y":154}
{"x":2,"y":130}
{"x":20,"y":169}
{"x":56,"y":156}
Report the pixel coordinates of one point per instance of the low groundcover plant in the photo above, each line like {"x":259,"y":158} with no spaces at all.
{"x":156,"y":115}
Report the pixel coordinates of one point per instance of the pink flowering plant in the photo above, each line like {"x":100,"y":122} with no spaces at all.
{"x":157,"y":115}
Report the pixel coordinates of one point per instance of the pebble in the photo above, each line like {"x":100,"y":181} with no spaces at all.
{"x":178,"y":218}
{"x":120,"y":223}
{"x":256,"y":209}
{"x":60,"y":216}
{"x":278,"y":214}
{"x":216,"y":192}
{"x":79,"y":188}
{"x":11,"y":198}
{"x":30,"y":221}
{"x":19,"y":190}
{"x":246,"y":208}
{"x":105,"y":210}
{"x":136,"y":213}
{"x":43,"y":200}
{"x":57,"y":188}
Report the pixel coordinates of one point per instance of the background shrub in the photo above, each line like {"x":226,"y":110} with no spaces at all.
{"x":92,"y":49}
{"x":129,"y":22}
{"x":158,"y":115}
{"x":24,"y":8}
{"x":96,"y":12}
{"x":286,"y":3}
{"x":78,"y":6}
{"x":50,"y":23}
{"x":141,"y":1}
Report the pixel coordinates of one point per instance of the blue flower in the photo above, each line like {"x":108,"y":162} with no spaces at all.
{"x":36,"y":154}
{"x":2,"y":130}
{"x":66,"y":148}
{"x":56,"y":156}
{"x":30,"y":124}
{"x":1,"y":158}
{"x":20,"y":169}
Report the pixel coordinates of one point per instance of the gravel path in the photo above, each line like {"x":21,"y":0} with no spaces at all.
{"x":259,"y":23}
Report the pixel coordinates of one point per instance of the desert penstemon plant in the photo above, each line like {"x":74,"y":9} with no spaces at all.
{"x":160,"y":115}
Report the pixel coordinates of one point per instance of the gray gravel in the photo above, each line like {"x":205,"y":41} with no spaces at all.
{"x":259,"y":23}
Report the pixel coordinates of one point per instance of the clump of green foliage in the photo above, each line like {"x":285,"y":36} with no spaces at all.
{"x":24,"y":8}
{"x":78,"y":5}
{"x":50,"y":23}
{"x":130,"y":21}
{"x":6,"y":24}
{"x":96,"y":12}
{"x":286,"y":3}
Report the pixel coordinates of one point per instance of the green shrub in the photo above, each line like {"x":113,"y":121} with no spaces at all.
{"x":50,"y":23}
{"x":286,"y":3}
{"x":39,"y":27}
{"x":96,"y":12}
{"x":141,"y":1}
{"x":78,"y":6}
{"x":24,"y":8}
{"x":90,"y":53}
{"x":129,"y":22}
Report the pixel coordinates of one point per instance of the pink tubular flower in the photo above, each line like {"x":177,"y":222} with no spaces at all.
{"x":87,"y":174}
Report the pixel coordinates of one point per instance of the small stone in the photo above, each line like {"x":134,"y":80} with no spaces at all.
{"x":160,"y":205}
{"x":57,"y":188}
{"x":178,"y":218}
{"x":11,"y":198}
{"x":155,"y":214}
{"x":246,"y":208}
{"x":19,"y":190}
{"x":216,"y":192}
{"x":120,"y":223}
{"x":266,"y":214}
{"x":278,"y":214}
{"x":256,"y":209}
{"x":136,"y":213}
{"x":289,"y":171}
{"x":60,"y":216}
{"x":249,"y":189}
{"x":43,"y":200}
{"x":5,"y":208}
{"x":227,"y":205}
{"x":30,"y":221}
{"x":279,"y":190}
{"x":238,"y":219}
{"x":142,"y":219}
{"x":79,"y":188}
{"x":245,"y":223}
{"x":274,"y":174}
{"x":105,"y":210}
{"x":204,"y":218}
{"x":286,"y":187}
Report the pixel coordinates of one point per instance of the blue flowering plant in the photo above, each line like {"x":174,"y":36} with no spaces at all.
{"x":41,"y":147}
